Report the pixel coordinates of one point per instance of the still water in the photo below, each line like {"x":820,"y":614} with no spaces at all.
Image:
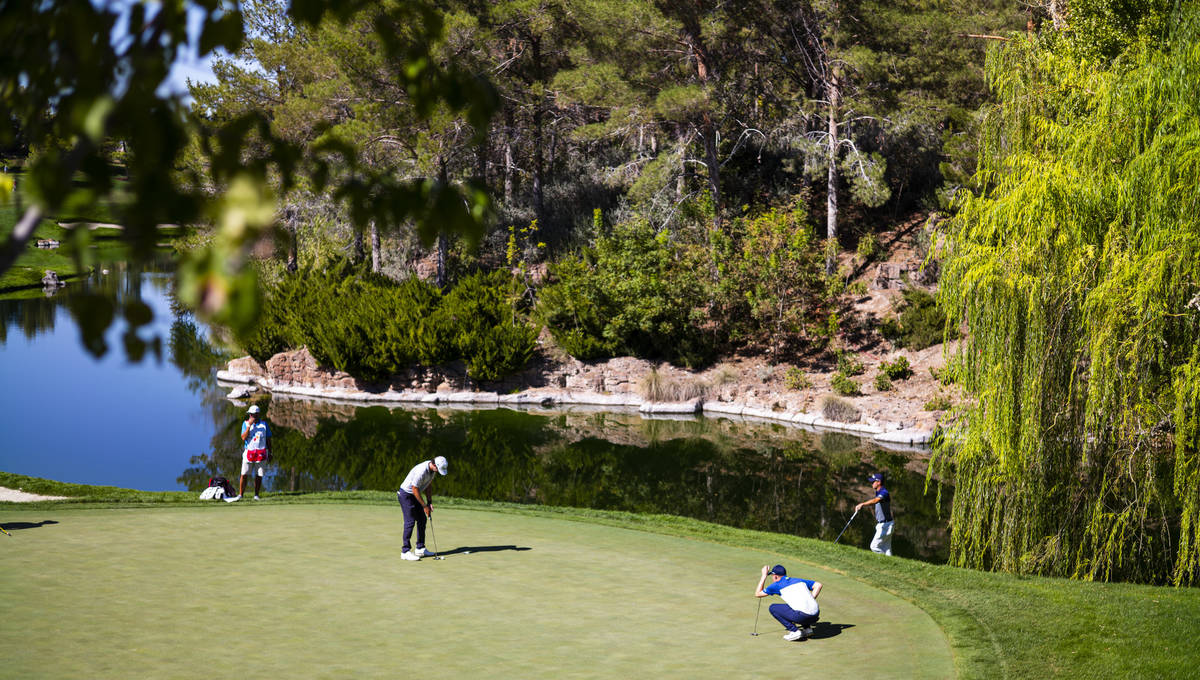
{"x":164,"y":424}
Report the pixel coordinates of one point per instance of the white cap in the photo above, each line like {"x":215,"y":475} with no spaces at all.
{"x":442,"y":466}
{"x":253,"y":409}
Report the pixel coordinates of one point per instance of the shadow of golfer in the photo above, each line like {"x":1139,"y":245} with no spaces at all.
{"x":13,"y":526}
{"x":480,"y":548}
{"x":822,"y":629}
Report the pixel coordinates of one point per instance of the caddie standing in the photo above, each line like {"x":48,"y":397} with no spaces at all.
{"x":256,"y":435}
{"x":882,"y":543}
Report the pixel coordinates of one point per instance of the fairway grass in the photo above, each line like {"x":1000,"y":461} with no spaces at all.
{"x":129,"y":583}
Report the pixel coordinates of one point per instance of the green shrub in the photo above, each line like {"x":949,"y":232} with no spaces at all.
{"x":795,"y":379}
{"x":373,"y":328}
{"x":843,"y":385}
{"x":636,"y":293}
{"x":882,"y":382}
{"x":896,"y":370}
{"x":938,"y":403}
{"x":486,"y":333}
{"x":849,"y":364}
{"x":919,"y":322}
{"x":839,"y":410}
{"x":771,"y":289}
{"x":868,"y":247}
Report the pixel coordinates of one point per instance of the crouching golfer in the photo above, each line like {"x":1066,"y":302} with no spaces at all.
{"x":418,"y":504}
{"x":801,"y":610}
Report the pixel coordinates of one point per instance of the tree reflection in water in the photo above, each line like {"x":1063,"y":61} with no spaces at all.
{"x":745,"y":475}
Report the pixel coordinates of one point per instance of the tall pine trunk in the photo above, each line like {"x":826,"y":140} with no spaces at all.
{"x":831,"y":181}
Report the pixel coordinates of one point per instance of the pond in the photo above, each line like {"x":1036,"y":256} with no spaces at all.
{"x":165,"y":424}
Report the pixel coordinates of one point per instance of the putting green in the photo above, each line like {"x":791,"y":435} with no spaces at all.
{"x":319,"y":591}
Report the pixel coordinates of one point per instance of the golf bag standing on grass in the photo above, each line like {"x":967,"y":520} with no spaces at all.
{"x":219,"y":488}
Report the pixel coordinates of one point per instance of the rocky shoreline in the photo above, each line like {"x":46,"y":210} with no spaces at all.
{"x":893,"y":418}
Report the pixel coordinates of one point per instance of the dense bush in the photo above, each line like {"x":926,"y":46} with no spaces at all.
{"x":795,"y":379}
{"x":372,"y":327}
{"x":636,"y":293}
{"x":882,"y":382}
{"x":896,"y":370}
{"x":486,"y":331}
{"x":919,"y":323}
{"x":843,"y":385}
{"x":771,"y":286}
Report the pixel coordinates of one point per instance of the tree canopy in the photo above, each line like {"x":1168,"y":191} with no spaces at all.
{"x":1075,"y":268}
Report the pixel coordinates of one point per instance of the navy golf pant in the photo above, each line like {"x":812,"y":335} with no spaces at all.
{"x":413,"y":514}
{"x":790,"y":618}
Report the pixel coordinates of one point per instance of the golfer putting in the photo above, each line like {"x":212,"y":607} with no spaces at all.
{"x":799,"y":609}
{"x":417,"y":504}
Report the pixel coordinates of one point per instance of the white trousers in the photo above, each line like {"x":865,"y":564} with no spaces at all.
{"x":882,"y":543}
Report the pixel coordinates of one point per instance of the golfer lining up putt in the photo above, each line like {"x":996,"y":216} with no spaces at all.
{"x":417,"y":504}
{"x":801,"y":610}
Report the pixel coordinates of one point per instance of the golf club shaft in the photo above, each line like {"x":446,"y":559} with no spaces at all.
{"x":433,"y":535}
{"x":756,"y":613}
{"x":846,"y":527}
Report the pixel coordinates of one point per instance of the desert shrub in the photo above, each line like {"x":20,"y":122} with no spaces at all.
{"x":896,"y":370}
{"x":843,"y":385}
{"x":938,"y":403}
{"x":882,"y":382}
{"x":849,"y":364}
{"x":654,"y":386}
{"x":919,"y":322}
{"x":795,"y":379}
{"x":724,"y":375}
{"x":839,"y":410}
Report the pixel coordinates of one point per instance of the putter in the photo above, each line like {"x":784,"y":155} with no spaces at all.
{"x":433,"y":534}
{"x":845,"y":527}
{"x":756,"y":612}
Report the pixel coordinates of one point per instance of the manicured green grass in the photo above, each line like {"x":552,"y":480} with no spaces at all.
{"x":309,"y":590}
{"x":590,"y":598}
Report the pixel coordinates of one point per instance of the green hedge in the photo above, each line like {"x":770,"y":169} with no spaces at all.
{"x":372,"y":327}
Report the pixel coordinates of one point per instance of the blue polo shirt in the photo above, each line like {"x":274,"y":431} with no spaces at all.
{"x":883,"y":509}
{"x":797,"y":593}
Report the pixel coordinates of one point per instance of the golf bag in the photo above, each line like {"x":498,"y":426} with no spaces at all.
{"x":218,"y":488}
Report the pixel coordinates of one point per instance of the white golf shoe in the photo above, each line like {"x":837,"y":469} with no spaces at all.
{"x":794,"y":635}
{"x":421,"y":552}
{"x":233,"y":499}
{"x":410,"y":556}
{"x":807,"y":630}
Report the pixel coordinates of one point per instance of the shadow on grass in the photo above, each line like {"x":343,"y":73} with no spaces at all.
{"x":12,"y":526}
{"x":480,"y":548}
{"x":822,"y":630}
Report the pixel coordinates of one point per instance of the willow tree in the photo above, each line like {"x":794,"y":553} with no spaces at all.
{"x":1076,"y":268}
